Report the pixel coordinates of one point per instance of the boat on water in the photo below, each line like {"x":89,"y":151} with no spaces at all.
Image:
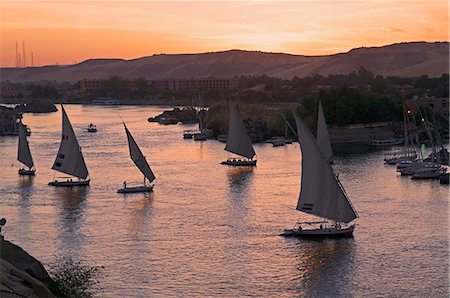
{"x":188,"y":134}
{"x":409,"y":153}
{"x":92,"y":128}
{"x":321,"y":194}
{"x":323,"y":137}
{"x":444,"y":178}
{"x":238,"y":141}
{"x":222,"y":138}
{"x":69,"y":159}
{"x":24,"y":153}
{"x":417,"y":166}
{"x":278,"y":141}
{"x":429,"y":173}
{"x":141,"y":163}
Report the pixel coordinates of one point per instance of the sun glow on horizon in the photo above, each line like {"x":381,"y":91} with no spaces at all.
{"x":73,"y":31}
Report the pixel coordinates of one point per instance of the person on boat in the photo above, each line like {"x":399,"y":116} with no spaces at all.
{"x":124,"y":184}
{"x":321,"y":226}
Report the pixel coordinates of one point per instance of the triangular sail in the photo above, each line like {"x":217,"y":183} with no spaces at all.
{"x":138,"y":158}
{"x":238,"y":141}
{"x":24,"y":153}
{"x":323,"y":138}
{"x":321,"y":193}
{"x":69,"y":159}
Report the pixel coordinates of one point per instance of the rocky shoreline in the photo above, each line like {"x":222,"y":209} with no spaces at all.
{"x":21,"y":274}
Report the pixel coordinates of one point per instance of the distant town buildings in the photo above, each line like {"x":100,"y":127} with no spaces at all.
{"x":197,"y":84}
{"x":210,"y":83}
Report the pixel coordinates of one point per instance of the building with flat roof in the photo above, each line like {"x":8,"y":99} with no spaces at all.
{"x":90,"y":86}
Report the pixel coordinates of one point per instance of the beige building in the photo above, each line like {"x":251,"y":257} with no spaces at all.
{"x":90,"y":86}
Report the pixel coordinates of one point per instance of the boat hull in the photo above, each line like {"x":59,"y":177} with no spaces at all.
{"x":239,"y":163}
{"x":135,"y":189}
{"x":320,"y":233}
{"x":70,"y":183}
{"x":444,"y":178}
{"x":24,"y":172}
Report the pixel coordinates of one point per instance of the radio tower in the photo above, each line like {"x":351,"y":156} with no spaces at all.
{"x":17,"y":55}
{"x":23,"y":55}
{"x":32,"y":63}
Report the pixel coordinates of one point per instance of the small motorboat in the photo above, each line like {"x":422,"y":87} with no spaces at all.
{"x":188,"y":134}
{"x":92,"y":128}
{"x":200,"y":137}
{"x":239,"y":162}
{"x":25,"y":172}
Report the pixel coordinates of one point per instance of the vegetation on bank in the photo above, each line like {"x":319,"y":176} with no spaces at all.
{"x":358,"y":97}
{"x":72,"y":279}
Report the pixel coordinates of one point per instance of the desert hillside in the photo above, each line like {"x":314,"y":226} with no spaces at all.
{"x":403,"y":59}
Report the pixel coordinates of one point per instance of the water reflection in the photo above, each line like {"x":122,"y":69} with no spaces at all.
{"x":239,"y":178}
{"x":141,"y":213}
{"x":71,"y":204}
{"x":26,"y":188}
{"x":324,"y":267}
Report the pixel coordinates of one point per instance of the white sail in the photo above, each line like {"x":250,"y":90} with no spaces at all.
{"x":321,"y":193}
{"x":238,"y":141}
{"x":323,"y":138}
{"x":138,"y":158}
{"x":24,"y":153}
{"x":69,"y":159}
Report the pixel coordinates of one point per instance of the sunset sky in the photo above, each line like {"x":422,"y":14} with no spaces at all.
{"x":65,"y":32}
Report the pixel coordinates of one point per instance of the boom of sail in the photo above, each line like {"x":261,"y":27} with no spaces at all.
{"x":69,"y":159}
{"x":323,"y":138}
{"x":321,"y":193}
{"x":24,"y":153}
{"x":238,"y":141}
{"x":137,"y":157}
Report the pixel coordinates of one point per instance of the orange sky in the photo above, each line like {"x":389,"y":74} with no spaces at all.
{"x":67,"y":31}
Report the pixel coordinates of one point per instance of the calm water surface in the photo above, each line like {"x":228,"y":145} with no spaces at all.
{"x":212,"y":230}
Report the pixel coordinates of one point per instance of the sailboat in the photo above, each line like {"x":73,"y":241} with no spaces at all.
{"x":139,"y":160}
{"x":24,"y":153}
{"x":323,"y":138}
{"x":238,"y":141}
{"x":321,"y":193}
{"x":69,"y":159}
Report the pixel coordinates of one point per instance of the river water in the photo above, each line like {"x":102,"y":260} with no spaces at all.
{"x":212,"y":230}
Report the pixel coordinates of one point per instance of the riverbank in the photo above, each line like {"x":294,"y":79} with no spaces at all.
{"x":21,"y":274}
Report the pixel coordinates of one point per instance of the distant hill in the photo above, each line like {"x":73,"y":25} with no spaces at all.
{"x":402,"y":59}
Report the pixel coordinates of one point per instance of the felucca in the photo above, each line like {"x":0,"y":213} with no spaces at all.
{"x":321,"y":193}
{"x":24,"y":153}
{"x":69,"y":159}
{"x":323,"y":138}
{"x":238,"y":141}
{"x":139,"y":160}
